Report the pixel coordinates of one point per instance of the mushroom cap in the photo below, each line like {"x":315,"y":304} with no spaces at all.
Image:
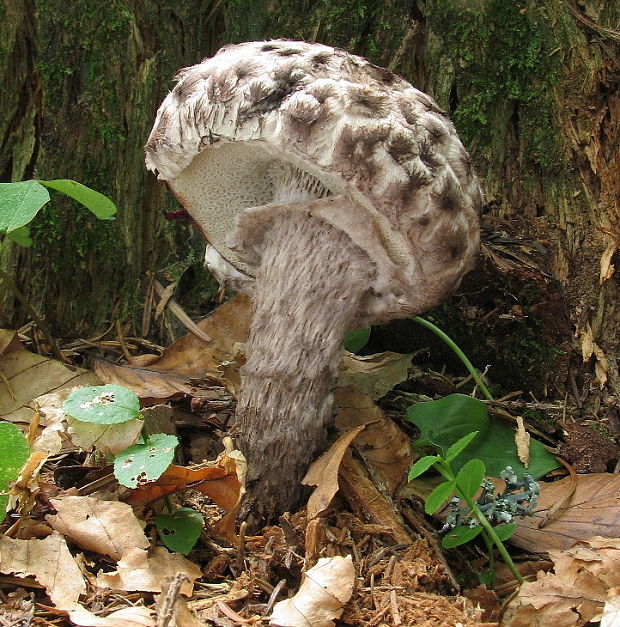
{"x":264,"y":127}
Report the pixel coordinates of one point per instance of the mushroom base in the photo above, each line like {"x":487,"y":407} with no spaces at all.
{"x":309,"y":286}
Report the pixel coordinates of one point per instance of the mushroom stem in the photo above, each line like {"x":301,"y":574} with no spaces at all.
{"x":309,"y":285}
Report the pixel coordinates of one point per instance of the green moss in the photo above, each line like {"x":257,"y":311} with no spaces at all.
{"x":372,"y":29}
{"x":504,"y":55}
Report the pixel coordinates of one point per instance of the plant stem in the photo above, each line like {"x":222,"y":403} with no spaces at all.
{"x":488,"y":528}
{"x":458,"y":352}
{"x":446,"y":470}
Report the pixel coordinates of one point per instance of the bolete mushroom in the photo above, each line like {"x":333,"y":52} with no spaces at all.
{"x":334,"y":192}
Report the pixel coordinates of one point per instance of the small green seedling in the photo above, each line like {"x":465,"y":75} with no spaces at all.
{"x":142,"y":462}
{"x":463,"y":524}
{"x":15,"y":453}
{"x":180,"y":529}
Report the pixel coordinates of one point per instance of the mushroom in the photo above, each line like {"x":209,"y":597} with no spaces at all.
{"x":334,"y":192}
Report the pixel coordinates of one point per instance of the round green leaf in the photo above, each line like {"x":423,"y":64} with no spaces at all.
{"x":438,"y":497}
{"x":20,"y":203}
{"x":141,"y":463}
{"x":469,"y":478}
{"x":95,"y":202}
{"x":447,"y":420}
{"x":15,"y":453}
{"x":180,"y":530}
{"x":459,"y":535}
{"x":421,"y":466}
{"x":356,"y":340}
{"x":102,"y":404}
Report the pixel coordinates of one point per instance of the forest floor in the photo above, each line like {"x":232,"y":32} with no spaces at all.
{"x":79,"y":548}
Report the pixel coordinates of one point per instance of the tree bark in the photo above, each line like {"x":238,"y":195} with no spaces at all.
{"x":531,"y":86}
{"x":102,"y":70}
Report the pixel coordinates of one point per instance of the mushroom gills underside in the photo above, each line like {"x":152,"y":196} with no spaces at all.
{"x":228,"y":179}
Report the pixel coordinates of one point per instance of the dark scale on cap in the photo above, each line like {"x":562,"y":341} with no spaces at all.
{"x":269,"y":47}
{"x":428,"y":155}
{"x":321,"y":58}
{"x":289,"y":75}
{"x":321,"y":92}
{"x":418,"y":178}
{"x":258,"y":90}
{"x":244,"y":69}
{"x":407,"y":109}
{"x":382,"y":74}
{"x":374,"y":103}
{"x":287,"y":52}
{"x":401,"y":147}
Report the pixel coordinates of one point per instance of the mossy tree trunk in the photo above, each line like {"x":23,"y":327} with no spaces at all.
{"x":102,"y":70}
{"x":533,"y":89}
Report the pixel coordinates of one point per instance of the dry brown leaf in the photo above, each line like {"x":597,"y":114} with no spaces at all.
{"x":220,"y":480}
{"x":105,"y":527}
{"x":326,"y":588}
{"x":323,"y":473}
{"x":9,"y":341}
{"x":30,"y":376}
{"x":191,"y":358}
{"x":384,"y":447}
{"x":376,"y":374}
{"x":522,"y":440}
{"x":50,"y":562}
{"x":575,"y":592}
{"x":148,"y":572}
{"x":593,"y":510}
{"x":588,"y":348}
{"x":607,"y":268}
{"x":137,"y":616}
{"x":149,"y":383}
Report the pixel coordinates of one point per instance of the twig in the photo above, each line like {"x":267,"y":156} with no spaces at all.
{"x":168,"y":600}
{"x":241,"y":545}
{"x":177,"y":311}
{"x":394,"y":608}
{"x":558,"y":505}
{"x":398,"y":55}
{"x":121,"y":340}
{"x":274,"y":595}
{"x":33,"y":314}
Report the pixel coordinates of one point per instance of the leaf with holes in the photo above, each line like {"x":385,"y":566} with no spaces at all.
{"x":180,"y":530}
{"x":102,"y":404}
{"x":15,"y":452}
{"x":141,"y":463}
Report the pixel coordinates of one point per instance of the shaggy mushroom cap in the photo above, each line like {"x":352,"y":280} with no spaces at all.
{"x":264,"y":127}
